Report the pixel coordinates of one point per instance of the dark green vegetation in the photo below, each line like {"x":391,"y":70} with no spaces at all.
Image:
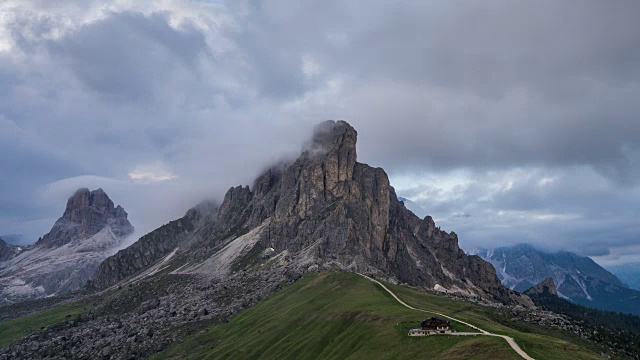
{"x":621,"y":331}
{"x":342,"y":315}
{"x":23,"y":308}
{"x":613,"y":298}
{"x":15,"y":329}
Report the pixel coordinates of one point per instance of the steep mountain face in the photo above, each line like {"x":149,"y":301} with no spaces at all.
{"x":577,"y":278}
{"x":86,"y":214}
{"x":90,"y":229}
{"x":324,"y":210}
{"x":183,"y":232}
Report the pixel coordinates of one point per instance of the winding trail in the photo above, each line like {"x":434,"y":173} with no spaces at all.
{"x":509,"y":339}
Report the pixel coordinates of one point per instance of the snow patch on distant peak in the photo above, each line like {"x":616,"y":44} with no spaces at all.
{"x":582,"y":286}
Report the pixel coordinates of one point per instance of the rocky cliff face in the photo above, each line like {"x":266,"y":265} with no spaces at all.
{"x":342,"y":212}
{"x":577,"y":278}
{"x":90,"y":230}
{"x":86,"y":214}
{"x":152,"y":247}
{"x":324,"y":210}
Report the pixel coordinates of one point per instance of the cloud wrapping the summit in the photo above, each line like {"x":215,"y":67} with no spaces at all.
{"x":506,"y":122}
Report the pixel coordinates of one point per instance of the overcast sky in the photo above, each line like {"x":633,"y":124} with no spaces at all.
{"x":506,"y":121}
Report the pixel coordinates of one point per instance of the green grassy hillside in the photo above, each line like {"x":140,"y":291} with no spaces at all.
{"x":538,"y":342}
{"x":13,"y":330}
{"x":344,"y":316}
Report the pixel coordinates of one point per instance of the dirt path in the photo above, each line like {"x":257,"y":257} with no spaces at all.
{"x":509,"y":340}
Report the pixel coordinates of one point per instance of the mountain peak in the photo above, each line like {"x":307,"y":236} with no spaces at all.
{"x":97,"y":200}
{"x":88,"y":231}
{"x":334,"y":136}
{"x":323,"y":210}
{"x":87,"y":212}
{"x":332,"y":150}
{"x":331,"y":132}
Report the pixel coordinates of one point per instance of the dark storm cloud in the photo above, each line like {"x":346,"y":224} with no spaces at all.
{"x":509,"y":122}
{"x":536,"y":82}
{"x":469,"y":84}
{"x":128,"y":55}
{"x":122,"y":99}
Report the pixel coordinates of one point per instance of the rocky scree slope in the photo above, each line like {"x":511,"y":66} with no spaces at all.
{"x":324,"y":210}
{"x":89,"y":230}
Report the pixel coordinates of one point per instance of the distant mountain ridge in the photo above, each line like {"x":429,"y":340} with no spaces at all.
{"x":628,"y":273}
{"x":7,"y":251}
{"x":577,"y":278}
{"x":90,"y":229}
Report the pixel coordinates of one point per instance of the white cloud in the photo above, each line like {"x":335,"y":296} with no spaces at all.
{"x":310,"y":67}
{"x":546,"y":181}
{"x":151,"y":173}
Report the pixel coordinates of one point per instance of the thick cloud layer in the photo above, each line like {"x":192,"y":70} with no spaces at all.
{"x":511,"y":122}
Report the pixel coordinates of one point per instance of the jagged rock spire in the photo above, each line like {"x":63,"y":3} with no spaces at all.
{"x":334,"y":142}
{"x":87,"y":212}
{"x":327,"y":210}
{"x":96,"y":200}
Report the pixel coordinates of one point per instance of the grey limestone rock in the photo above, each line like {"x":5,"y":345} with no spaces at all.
{"x":86,"y":214}
{"x":324,"y":208}
{"x":90,"y":230}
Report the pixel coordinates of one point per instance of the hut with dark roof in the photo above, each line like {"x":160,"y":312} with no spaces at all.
{"x":434,"y":325}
